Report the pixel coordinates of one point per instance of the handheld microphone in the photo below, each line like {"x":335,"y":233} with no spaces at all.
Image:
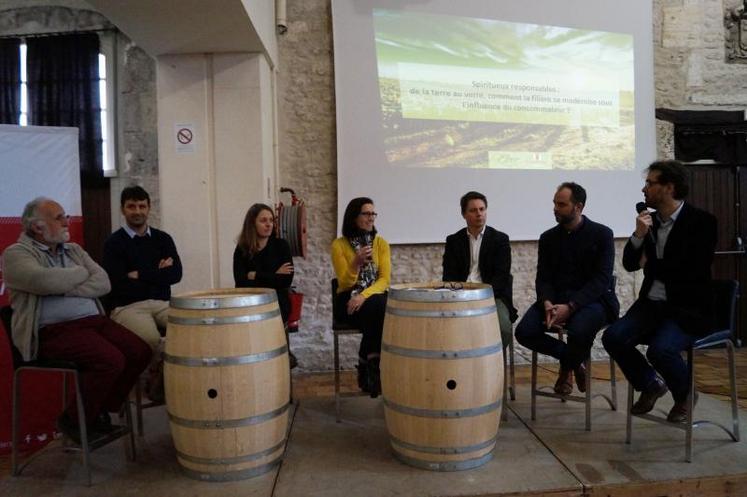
{"x":640,"y":207}
{"x":368,"y":241}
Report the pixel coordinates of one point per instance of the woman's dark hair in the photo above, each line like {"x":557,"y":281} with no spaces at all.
{"x":248,"y":241}
{"x":349,"y":227}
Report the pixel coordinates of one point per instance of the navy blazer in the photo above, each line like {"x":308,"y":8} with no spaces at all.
{"x":494,"y":263}
{"x":594,"y":261}
{"x":685,"y":268}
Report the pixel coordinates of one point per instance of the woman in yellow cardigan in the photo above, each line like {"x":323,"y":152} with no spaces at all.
{"x":363,"y":267}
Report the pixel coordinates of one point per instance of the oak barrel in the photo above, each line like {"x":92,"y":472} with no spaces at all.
{"x":442,"y":374}
{"x":227,"y":382}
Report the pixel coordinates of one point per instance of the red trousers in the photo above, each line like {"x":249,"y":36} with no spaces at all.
{"x":110,"y":359}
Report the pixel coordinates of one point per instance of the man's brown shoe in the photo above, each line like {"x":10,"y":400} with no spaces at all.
{"x":678,"y":413}
{"x":564,"y":385}
{"x":648,"y":397}
{"x":580,"y":375}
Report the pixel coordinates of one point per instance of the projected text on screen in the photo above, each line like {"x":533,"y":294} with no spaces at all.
{"x":478,"y":93}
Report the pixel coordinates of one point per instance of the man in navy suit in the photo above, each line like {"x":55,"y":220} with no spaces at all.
{"x":675,"y":247}
{"x":481,"y":254}
{"x":575,"y":288}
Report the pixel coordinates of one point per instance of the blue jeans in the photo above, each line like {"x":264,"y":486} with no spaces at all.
{"x":649,"y":322}
{"x":582,"y":327}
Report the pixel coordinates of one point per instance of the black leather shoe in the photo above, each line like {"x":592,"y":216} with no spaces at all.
{"x":564,"y":385}
{"x":648,"y":397}
{"x":679,"y":411}
{"x":374,"y":377}
{"x":69,"y":428}
{"x":103,"y":424}
{"x":580,"y":376}
{"x":362,"y":368}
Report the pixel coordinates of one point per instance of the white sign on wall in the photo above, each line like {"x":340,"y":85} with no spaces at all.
{"x":184,"y":138}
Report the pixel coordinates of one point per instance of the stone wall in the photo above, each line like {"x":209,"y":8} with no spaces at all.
{"x":690,"y":73}
{"x":137,"y":154}
{"x":690,"y":67}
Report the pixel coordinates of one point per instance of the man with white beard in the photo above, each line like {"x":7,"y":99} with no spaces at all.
{"x":54,"y":288}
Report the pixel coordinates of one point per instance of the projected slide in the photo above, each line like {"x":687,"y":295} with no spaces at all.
{"x":460,"y":92}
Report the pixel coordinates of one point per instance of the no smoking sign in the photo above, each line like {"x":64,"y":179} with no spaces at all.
{"x":184,"y":135}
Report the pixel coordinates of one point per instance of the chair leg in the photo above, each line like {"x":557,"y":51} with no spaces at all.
{"x":613,"y":384}
{"x":132,"y":455}
{"x":290,"y":374}
{"x":534,"y":386}
{"x":691,"y":406}
{"x":588,"y":394}
{"x":504,"y":415}
{"x":64,"y":391}
{"x":733,"y":384}
{"x":336,"y":348}
{"x":629,"y":416}
{"x":85,"y":448}
{"x":139,"y":407}
{"x":15,"y":424}
{"x":512,"y":367}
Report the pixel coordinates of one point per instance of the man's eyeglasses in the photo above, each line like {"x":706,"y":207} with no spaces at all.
{"x":649,"y":183}
{"x":369,"y":214}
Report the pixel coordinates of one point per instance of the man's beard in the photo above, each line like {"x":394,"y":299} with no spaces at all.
{"x":63,"y":236}
{"x":564,"y":220}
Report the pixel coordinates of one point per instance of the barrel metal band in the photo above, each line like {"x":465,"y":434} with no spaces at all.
{"x":441,"y":294}
{"x":227,"y":302}
{"x":462,"y":313}
{"x":442,"y":413}
{"x":249,"y":318}
{"x":231,"y":460}
{"x":442,"y":354}
{"x":236,"y":360}
{"x":209,"y":424}
{"x":444,"y":450}
{"x":444,"y":465}
{"x":233,"y":475}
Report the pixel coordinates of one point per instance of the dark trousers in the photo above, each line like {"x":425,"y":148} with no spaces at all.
{"x":369,"y":319}
{"x":649,"y":322}
{"x":582,"y":327}
{"x":109,"y":357}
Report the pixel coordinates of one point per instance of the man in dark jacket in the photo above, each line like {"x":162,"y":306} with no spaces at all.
{"x":675,"y":247}
{"x":481,"y":254}
{"x":574,"y":288}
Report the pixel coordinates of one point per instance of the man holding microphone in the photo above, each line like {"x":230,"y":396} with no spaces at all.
{"x":674,"y":246}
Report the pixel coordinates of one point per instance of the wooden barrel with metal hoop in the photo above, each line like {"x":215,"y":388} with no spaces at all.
{"x":227,"y":382}
{"x":442,"y":374}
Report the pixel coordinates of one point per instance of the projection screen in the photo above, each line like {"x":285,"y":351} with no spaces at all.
{"x":511,"y":98}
